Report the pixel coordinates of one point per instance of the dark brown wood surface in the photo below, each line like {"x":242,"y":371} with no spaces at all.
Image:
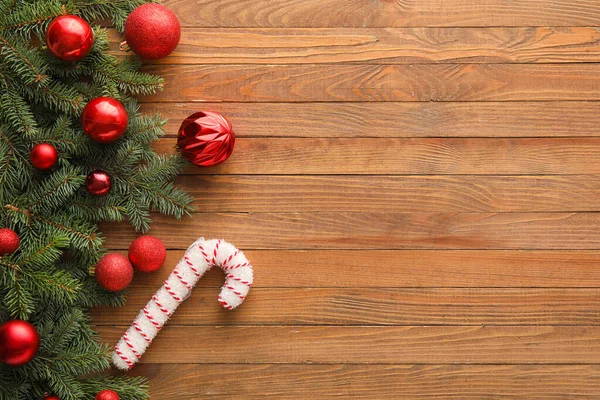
{"x":417,"y":184}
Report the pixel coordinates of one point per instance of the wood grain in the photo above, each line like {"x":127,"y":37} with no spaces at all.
{"x":544,"y":231}
{"x":329,"y":306}
{"x":388,"y":46}
{"x":384,"y":13}
{"x":372,"y":83}
{"x":420,"y":156}
{"x":355,"y":269}
{"x":371,"y":345}
{"x":408,"y":193}
{"x":423,"y":119}
{"x":359,"y":381}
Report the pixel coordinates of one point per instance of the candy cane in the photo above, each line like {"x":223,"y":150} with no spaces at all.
{"x":199,"y":258}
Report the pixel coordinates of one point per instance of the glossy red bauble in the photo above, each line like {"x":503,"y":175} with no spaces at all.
{"x":114,"y":272}
{"x":147,"y":253}
{"x":107,"y":395}
{"x":69,"y":38}
{"x":206,"y":138}
{"x":50,"y":397}
{"x":104,"y":119}
{"x":9,"y":241}
{"x":152,"y":31}
{"x":43,"y":156}
{"x":19,"y":342}
{"x":98,"y":183}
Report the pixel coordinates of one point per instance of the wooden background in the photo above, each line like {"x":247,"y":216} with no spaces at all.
{"x":417,"y":184}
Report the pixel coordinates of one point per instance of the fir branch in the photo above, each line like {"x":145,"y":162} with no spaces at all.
{"x":23,"y":61}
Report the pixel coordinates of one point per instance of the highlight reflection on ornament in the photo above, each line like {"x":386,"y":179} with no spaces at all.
{"x":206,"y":138}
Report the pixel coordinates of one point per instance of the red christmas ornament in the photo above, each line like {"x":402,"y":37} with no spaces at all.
{"x":19,"y":342}
{"x":147,"y":253}
{"x":206,"y":138}
{"x":104,"y":119}
{"x":107,"y":395}
{"x":43,"y":156}
{"x":114,"y":272}
{"x":98,"y":183}
{"x":49,"y":397}
{"x":9,"y":241}
{"x":69,"y":38}
{"x":152,"y":31}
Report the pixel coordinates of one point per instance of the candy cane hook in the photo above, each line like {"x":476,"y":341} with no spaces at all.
{"x":199,"y":258}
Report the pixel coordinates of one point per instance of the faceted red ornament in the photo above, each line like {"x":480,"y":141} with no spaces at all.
{"x":114,"y":272}
{"x":43,"y":156}
{"x":69,"y":38}
{"x":107,"y":395}
{"x":152,"y":31}
{"x":9,"y":241}
{"x":147,"y":253}
{"x":98,"y":183}
{"x":104,"y":119}
{"x":206,"y":138}
{"x":19,"y":342}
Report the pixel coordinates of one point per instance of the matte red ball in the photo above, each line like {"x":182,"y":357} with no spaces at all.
{"x":152,"y":31}
{"x":98,"y":183}
{"x":69,"y":38}
{"x":114,"y":272}
{"x":104,"y":119}
{"x":206,"y":138}
{"x":9,"y":241}
{"x":147,"y":253}
{"x":19,"y":342}
{"x":43,"y":156}
{"x":107,"y":395}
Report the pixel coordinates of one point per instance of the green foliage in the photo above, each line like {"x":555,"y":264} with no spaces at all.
{"x":47,"y":281}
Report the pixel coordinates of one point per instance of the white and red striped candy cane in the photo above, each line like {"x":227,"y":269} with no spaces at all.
{"x":199,"y":258}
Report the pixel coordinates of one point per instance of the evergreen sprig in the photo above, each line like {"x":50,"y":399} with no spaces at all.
{"x":47,"y":281}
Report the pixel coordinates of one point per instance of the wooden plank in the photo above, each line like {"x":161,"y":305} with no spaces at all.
{"x":412,"y":269}
{"x":356,"y":381}
{"x":357,"y":306}
{"x":422,"y":156}
{"x":424,"y":119}
{"x":373,"y":83}
{"x":371,"y":345}
{"x":459,"y":193}
{"x":544,"y":231}
{"x":385,"y":13}
{"x":389,"y":46}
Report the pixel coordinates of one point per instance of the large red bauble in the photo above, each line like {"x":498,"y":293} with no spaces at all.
{"x":69,"y":38}
{"x":19,"y":342}
{"x":98,"y":183}
{"x":206,"y":138}
{"x":9,"y":241}
{"x":114,"y":272}
{"x":147,"y":253}
{"x":107,"y":395}
{"x":104,"y":119}
{"x":152,"y":31}
{"x":43,"y":156}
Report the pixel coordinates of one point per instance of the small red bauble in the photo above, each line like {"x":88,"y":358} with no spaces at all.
{"x":147,"y":253}
{"x":107,"y":395}
{"x":152,"y":31}
{"x":98,"y":183}
{"x":9,"y":241}
{"x":43,"y":156}
{"x":19,"y":342}
{"x":104,"y":119}
{"x":69,"y":38}
{"x":206,"y":138}
{"x":114,"y":272}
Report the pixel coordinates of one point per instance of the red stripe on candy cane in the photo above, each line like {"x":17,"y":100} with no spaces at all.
{"x":160,"y":306}
{"x":151,"y":318}
{"x":141,"y":332}
{"x":131,"y":346}
{"x":129,"y":363}
{"x":183,"y":281}
{"x":172,"y":292}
